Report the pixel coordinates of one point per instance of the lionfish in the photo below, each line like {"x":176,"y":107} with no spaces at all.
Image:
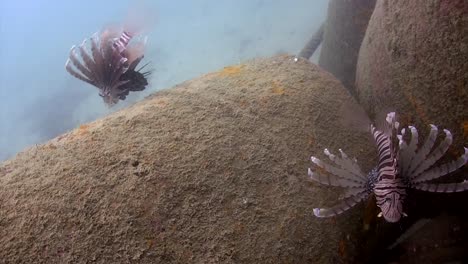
{"x":401,"y":165}
{"x":111,"y":66}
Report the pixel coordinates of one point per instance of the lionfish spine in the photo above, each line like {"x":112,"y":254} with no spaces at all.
{"x":422,"y":153}
{"x":437,"y":153}
{"x":442,"y":187}
{"x":343,"y":206}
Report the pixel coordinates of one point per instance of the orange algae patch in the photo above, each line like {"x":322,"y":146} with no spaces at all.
{"x":277,"y":88}
{"x":417,"y":105}
{"x":465,"y":128}
{"x":231,"y":70}
{"x":161,"y":103}
{"x":342,"y":248}
{"x":370,"y":213}
{"x":83,"y":129}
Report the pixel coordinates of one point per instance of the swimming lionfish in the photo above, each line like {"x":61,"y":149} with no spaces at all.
{"x":111,"y":67}
{"x":401,"y":165}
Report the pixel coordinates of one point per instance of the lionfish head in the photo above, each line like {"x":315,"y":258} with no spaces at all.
{"x":390,"y":202}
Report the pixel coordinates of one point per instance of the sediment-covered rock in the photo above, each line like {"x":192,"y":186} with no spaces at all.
{"x":414,"y":60}
{"x":343,"y":33}
{"x":213,"y":170}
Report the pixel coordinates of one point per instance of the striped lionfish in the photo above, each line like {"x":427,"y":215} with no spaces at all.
{"x":111,"y":67}
{"x":401,"y":165}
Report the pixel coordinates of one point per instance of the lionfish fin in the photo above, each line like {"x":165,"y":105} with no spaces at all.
{"x":88,"y":61}
{"x":442,"y":187}
{"x":338,"y":172}
{"x":77,"y":63}
{"x":433,"y":156}
{"x":353,"y":191}
{"x":407,"y":152}
{"x":348,"y":165}
{"x":341,"y":207}
{"x":76,"y":74}
{"x":443,"y":169}
{"x":422,"y":153}
{"x":332,"y":180}
{"x":109,"y":33}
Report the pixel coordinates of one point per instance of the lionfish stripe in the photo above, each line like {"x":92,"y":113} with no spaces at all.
{"x":434,"y":156}
{"x":442,"y":170}
{"x":348,"y":165}
{"x":442,"y":187}
{"x":336,"y":171}
{"x":382,"y":192}
{"x":387,"y":173}
{"x":123,"y":41}
{"x":332,"y":180}
{"x":76,"y":74}
{"x":386,"y":163}
{"x":380,"y":139}
{"x":425,"y":149}
{"x":343,"y":206}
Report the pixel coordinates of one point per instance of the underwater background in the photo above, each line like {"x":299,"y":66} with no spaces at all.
{"x":214,"y":165}
{"x":40,"y":100}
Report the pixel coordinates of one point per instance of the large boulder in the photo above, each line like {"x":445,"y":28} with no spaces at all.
{"x":344,"y":30}
{"x":213,"y":170}
{"x":413,"y":60}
